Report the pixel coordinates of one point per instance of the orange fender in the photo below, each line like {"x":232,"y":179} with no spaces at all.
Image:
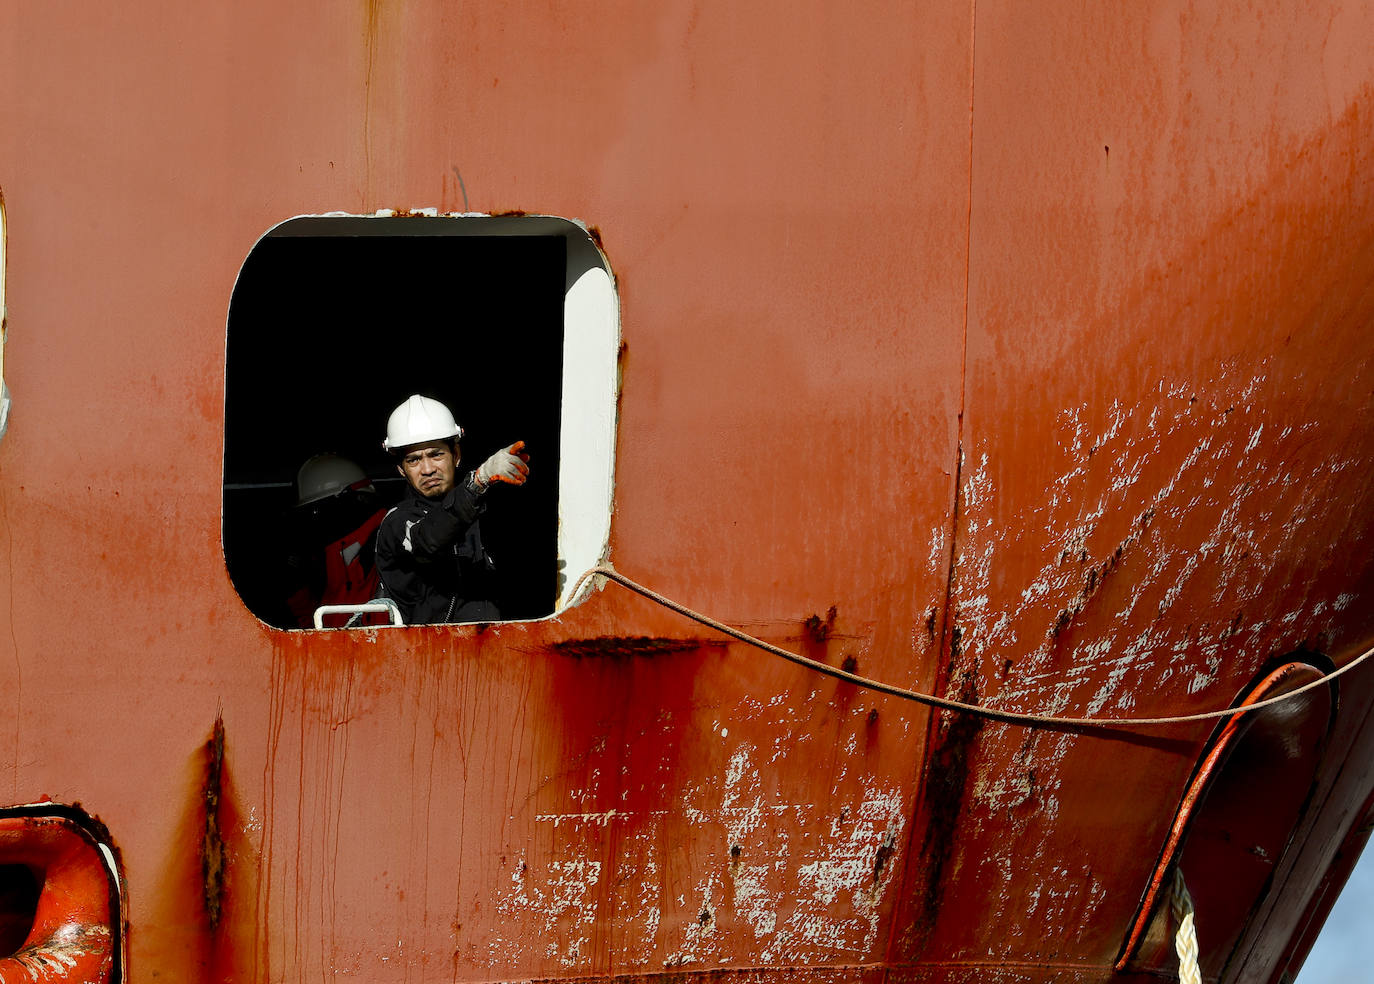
{"x":71,"y":938}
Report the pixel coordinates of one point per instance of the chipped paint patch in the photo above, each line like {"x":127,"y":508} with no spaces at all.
{"x":814,"y":895}
{"x":560,"y":901}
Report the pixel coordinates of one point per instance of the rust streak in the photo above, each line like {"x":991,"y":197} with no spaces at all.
{"x":947,"y":773}
{"x":819,"y":630}
{"x":632,"y":646}
{"x":212,"y":842}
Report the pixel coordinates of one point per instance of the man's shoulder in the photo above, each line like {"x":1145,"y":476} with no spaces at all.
{"x":408,"y":508}
{"x":393,"y":521}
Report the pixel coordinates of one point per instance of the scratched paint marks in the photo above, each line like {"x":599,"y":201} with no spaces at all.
{"x":563,"y":899}
{"x":807,"y":879}
{"x":1169,"y":554}
{"x":1174,"y":504}
{"x":737,"y":864}
{"x":588,"y":838}
{"x":1048,"y":897}
{"x":854,"y":867}
{"x":581,"y":869}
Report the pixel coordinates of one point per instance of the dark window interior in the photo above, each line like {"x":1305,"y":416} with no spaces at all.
{"x":328,"y":334}
{"x":19,"y":891}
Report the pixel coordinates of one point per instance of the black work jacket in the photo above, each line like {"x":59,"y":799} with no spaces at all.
{"x":431,"y":561}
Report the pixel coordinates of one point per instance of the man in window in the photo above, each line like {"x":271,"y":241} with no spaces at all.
{"x":429,"y":548}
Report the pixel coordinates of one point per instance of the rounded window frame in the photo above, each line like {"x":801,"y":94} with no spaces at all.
{"x":588,"y":419}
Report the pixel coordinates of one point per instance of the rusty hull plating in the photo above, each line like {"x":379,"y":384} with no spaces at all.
{"x":1018,"y":351}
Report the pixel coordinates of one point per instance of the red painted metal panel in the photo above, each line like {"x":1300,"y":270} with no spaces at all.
{"x":1075,"y":300}
{"x":1168,"y":360}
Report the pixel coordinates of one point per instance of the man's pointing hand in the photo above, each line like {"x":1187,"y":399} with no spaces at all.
{"x":510,"y":465}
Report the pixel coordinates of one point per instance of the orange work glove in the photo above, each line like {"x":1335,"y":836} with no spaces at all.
{"x":510,"y":465}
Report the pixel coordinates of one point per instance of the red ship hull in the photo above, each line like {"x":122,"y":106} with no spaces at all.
{"x":1020,"y":354}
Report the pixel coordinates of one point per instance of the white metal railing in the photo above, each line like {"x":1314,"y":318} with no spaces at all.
{"x":381,"y":605}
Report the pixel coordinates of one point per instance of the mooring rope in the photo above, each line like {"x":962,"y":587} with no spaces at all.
{"x":946,"y":703}
{"x":1185,"y":932}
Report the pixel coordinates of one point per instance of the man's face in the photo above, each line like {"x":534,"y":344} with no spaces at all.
{"x":429,"y":468}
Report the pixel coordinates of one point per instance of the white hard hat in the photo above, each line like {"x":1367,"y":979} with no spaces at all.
{"x":325,"y":475}
{"x":420,"y":420}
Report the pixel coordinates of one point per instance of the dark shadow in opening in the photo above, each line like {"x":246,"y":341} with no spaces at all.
{"x":329,"y":333}
{"x":19,"y":891}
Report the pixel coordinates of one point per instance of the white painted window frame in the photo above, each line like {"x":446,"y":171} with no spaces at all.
{"x":4,"y":325}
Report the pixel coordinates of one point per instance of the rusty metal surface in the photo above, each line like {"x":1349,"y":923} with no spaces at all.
{"x":1165,"y":376}
{"x":1032,"y":342}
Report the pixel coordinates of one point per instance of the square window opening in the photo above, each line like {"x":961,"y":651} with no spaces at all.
{"x":510,"y":321}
